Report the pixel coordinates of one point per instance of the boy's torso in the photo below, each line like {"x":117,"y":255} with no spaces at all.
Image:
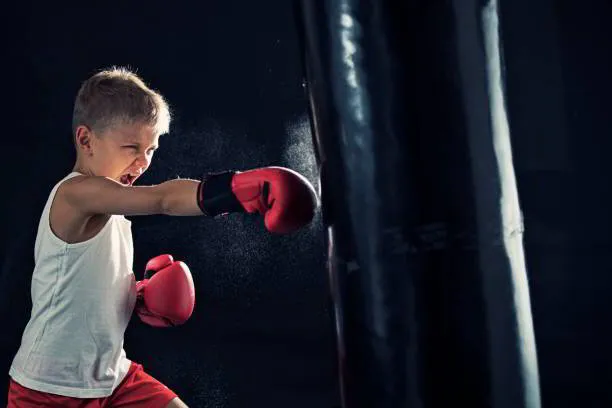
{"x":83,"y":295}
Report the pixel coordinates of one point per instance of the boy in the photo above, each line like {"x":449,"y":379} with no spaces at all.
{"x":83,"y":287}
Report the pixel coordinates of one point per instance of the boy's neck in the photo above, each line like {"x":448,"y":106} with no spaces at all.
{"x":83,"y":169}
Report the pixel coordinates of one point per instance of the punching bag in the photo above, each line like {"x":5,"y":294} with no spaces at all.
{"x":558,"y":64}
{"x":424,"y":230}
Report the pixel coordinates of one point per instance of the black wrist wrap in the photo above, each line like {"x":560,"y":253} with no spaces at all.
{"x":215,"y":195}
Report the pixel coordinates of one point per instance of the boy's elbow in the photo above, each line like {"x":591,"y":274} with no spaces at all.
{"x":169,"y":202}
{"x":178,"y":197}
{"x":159,"y":201}
{"x":164,"y":204}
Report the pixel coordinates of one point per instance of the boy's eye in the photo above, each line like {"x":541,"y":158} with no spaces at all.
{"x":134,"y":147}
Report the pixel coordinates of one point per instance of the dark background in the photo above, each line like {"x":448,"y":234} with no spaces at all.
{"x":261,"y":334}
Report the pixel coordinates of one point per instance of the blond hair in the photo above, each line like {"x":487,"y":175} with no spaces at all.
{"x":117,"y":96}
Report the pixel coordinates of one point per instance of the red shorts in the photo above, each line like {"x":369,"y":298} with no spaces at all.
{"x":138,"y":390}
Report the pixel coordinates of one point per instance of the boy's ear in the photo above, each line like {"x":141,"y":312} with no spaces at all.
{"x":83,"y":137}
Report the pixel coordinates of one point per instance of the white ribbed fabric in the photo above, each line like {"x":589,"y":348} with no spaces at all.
{"x":83,"y":295}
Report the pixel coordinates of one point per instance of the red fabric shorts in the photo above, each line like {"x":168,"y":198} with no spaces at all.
{"x":137,"y":390}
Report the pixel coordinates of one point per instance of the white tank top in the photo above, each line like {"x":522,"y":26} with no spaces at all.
{"x":83,"y":295}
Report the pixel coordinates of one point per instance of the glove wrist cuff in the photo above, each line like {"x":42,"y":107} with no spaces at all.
{"x":215,"y":196}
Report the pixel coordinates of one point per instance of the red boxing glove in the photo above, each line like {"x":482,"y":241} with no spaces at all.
{"x":285,"y":198}
{"x":166,"y":296}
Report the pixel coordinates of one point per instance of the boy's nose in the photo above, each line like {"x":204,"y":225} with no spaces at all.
{"x":142,"y":163}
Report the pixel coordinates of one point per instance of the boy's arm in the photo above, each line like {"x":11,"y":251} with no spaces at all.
{"x":101,"y":195}
{"x":285,"y":198}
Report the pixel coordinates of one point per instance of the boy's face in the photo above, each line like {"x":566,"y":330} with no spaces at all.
{"x":123,"y":152}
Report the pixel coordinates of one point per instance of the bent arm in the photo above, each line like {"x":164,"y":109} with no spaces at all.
{"x":102,"y":195}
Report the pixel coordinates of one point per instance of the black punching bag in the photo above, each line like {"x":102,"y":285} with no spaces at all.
{"x":419,"y":200}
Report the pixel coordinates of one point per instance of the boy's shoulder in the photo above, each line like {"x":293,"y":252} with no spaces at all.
{"x":66,"y":220}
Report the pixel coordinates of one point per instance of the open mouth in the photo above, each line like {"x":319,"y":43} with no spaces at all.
{"x":127,"y":179}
